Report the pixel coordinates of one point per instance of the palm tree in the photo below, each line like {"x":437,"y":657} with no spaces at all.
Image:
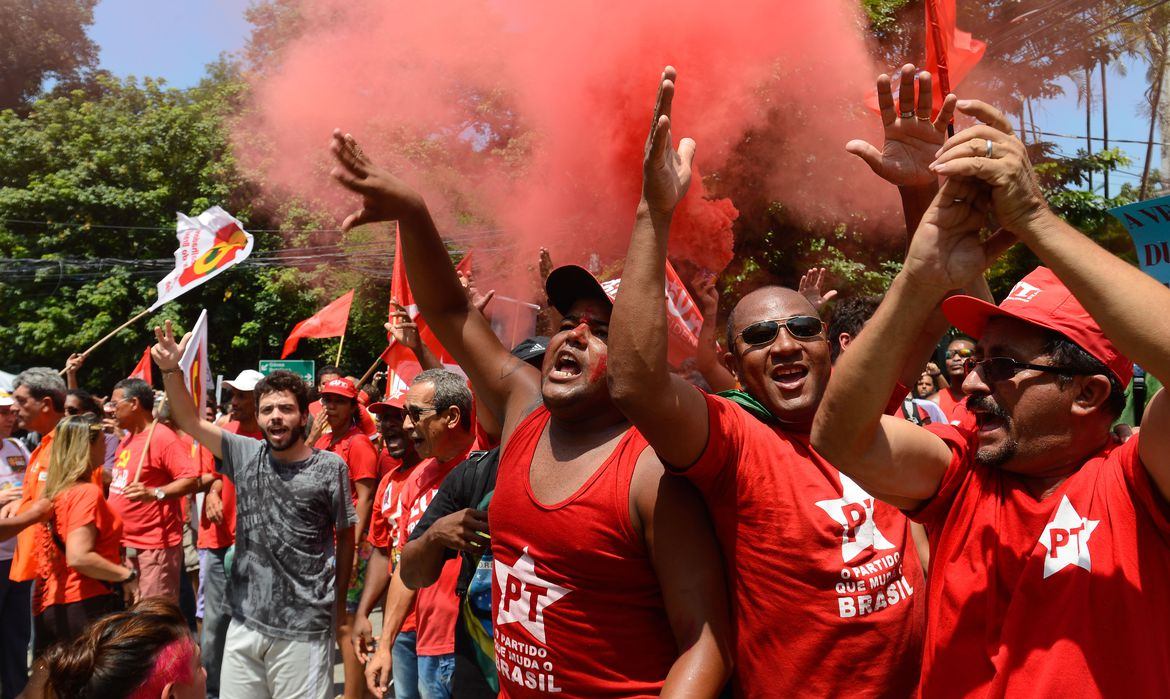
{"x":1148,"y":35}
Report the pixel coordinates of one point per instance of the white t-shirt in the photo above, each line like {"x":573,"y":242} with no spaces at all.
{"x":13,"y":461}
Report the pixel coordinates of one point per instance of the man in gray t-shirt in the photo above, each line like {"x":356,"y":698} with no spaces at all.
{"x":292,"y":505}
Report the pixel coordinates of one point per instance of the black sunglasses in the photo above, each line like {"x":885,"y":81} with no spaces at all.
{"x":996,"y":369}
{"x":765,"y":331}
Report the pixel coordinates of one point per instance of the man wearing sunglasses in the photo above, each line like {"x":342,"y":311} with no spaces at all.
{"x":1049,"y":541}
{"x":607,"y":573}
{"x":959,"y":351}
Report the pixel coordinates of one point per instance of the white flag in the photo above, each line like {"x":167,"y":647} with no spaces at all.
{"x":208,"y":245}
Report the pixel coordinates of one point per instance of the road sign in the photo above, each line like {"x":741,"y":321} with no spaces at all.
{"x":306,"y":368}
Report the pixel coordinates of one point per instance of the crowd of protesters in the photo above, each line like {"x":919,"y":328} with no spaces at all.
{"x":920,"y":493}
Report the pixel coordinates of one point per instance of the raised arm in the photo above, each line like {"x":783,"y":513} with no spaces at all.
{"x":888,"y":455}
{"x":707,"y":358}
{"x":669,"y":412}
{"x":166,"y":354}
{"x":1119,"y":296}
{"x":507,"y":384}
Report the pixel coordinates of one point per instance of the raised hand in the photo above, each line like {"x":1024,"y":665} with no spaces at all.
{"x":384,"y":196}
{"x":811,"y":287}
{"x":706,"y":293}
{"x":478,"y":300}
{"x":402,"y":328}
{"x":990,"y":153}
{"x":911,"y":137}
{"x":167,"y":353}
{"x":546,"y":264}
{"x":947,"y":251}
{"x":73,"y":364}
{"x":666,"y":172}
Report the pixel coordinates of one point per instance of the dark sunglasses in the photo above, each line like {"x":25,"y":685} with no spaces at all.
{"x":996,"y":369}
{"x":415,"y":412}
{"x":964,"y":353}
{"x":765,"y":331}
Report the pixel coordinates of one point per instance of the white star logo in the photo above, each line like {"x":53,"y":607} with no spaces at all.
{"x":398,"y":387}
{"x":1067,"y":539}
{"x":854,"y":511}
{"x":524,"y":595}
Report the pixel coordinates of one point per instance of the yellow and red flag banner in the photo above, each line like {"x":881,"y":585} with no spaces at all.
{"x":142,"y":370}
{"x":327,"y":322}
{"x":208,"y":244}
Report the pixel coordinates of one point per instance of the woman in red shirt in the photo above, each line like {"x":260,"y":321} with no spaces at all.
{"x":79,"y":547}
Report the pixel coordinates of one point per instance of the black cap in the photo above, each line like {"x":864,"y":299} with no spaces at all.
{"x":531,"y":349}
{"x":569,"y":283}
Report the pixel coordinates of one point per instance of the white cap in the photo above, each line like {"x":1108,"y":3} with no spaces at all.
{"x":246,"y":381}
{"x":6,"y":400}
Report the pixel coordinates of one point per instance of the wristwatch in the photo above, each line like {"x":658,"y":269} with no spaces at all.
{"x":159,"y":495}
{"x":132,"y":576}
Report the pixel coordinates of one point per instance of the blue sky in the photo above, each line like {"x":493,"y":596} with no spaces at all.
{"x":175,"y":39}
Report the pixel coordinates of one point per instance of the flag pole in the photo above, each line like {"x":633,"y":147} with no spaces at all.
{"x":337,"y":361}
{"x":370,"y":371}
{"x":113,"y":332}
{"x":145,"y":450}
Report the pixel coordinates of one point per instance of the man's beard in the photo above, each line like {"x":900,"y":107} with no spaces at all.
{"x":994,"y":457}
{"x":290,"y":437}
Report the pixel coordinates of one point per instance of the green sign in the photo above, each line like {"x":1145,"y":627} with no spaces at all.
{"x":305,"y":367}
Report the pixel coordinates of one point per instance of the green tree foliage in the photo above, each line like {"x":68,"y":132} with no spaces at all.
{"x":42,"y":39}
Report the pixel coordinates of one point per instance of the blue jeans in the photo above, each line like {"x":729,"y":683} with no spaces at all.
{"x":434,"y":675}
{"x":405,"y":666}
{"x":217,"y":614}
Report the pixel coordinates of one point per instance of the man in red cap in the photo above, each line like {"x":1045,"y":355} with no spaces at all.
{"x":1049,"y":541}
{"x":346,"y":438}
{"x":590,"y":538}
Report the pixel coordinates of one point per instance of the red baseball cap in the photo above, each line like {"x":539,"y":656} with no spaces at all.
{"x":569,"y":283}
{"x":1041,"y":299}
{"x":340,"y":387}
{"x":382,"y":406}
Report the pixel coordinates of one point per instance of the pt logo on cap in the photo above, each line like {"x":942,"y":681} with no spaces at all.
{"x":1024,"y":292}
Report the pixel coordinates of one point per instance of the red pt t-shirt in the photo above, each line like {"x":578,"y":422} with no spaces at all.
{"x":577,"y":607}
{"x":74,"y":508}
{"x":152,"y":524}
{"x":1068,"y":595}
{"x":826,"y":587}
{"x":436,"y":607}
{"x":384,"y":517}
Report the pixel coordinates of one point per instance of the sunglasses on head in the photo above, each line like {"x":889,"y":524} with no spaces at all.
{"x":765,"y":331}
{"x":996,"y":369}
{"x":962,"y":353}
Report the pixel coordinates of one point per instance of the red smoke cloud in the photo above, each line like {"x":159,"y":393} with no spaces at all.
{"x":528,"y":118}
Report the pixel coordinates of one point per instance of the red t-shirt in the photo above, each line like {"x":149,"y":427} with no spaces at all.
{"x":436,"y":607}
{"x":152,"y":524}
{"x":826,"y":587}
{"x":223,"y":534}
{"x":74,"y":508}
{"x":357,"y":451}
{"x":577,"y":607}
{"x":384,"y":517}
{"x":1064,"y":596}
{"x":24,"y":558}
{"x":948,"y":399}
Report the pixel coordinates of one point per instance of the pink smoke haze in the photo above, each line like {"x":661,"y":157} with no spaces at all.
{"x":563,"y":92}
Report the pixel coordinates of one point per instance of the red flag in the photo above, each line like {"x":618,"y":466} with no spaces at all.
{"x":142,"y":370}
{"x":327,"y":322}
{"x":401,"y":368}
{"x":400,"y":290}
{"x":950,"y":53}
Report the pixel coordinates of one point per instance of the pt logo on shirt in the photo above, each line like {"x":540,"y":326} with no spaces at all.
{"x":854,"y":511}
{"x":1066,"y":539}
{"x":524,"y":595}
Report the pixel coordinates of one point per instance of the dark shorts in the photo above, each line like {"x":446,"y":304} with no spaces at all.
{"x":61,"y":623}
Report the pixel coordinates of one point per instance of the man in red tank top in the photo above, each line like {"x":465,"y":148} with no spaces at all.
{"x":611,"y":585}
{"x":826,"y":587}
{"x":1049,"y":542}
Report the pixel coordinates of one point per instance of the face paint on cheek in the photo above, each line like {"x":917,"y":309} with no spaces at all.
{"x":599,"y":369}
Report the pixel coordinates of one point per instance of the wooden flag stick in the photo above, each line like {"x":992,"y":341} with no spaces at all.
{"x":337,"y":362}
{"x":370,"y":372}
{"x":145,"y":451}
{"x":115,"y":331}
